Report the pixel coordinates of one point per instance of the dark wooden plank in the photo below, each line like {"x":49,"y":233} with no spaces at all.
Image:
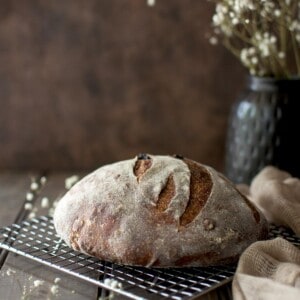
{"x":21,"y":277}
{"x":13,"y":188}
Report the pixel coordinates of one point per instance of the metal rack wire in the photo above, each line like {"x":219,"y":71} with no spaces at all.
{"x":36,"y":239}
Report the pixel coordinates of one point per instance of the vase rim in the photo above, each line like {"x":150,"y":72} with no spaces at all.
{"x":269,"y":78}
{"x":271,"y":84}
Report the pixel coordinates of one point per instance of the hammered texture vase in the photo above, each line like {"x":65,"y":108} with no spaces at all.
{"x":264,"y":129}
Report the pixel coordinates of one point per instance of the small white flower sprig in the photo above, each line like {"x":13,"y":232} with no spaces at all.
{"x":151,"y":2}
{"x":263,"y":34}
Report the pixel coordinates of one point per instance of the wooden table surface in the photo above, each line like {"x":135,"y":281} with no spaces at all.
{"x":21,"y":278}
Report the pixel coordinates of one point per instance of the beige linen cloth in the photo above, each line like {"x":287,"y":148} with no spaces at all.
{"x":270,"y":270}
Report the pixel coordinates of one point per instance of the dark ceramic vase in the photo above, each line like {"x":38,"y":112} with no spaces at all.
{"x":264,"y":129}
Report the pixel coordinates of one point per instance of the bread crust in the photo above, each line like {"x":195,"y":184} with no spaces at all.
{"x":158,"y":211}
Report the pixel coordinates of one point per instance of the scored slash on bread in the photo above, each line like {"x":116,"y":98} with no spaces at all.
{"x":200,"y":187}
{"x":158,"y":211}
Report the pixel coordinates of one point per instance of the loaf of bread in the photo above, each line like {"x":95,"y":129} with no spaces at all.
{"x":158,"y":211}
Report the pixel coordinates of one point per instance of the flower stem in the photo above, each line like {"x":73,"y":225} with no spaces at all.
{"x":296,"y":53}
{"x":234,"y":51}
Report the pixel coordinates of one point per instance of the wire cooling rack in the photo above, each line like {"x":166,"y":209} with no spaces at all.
{"x":37,"y":240}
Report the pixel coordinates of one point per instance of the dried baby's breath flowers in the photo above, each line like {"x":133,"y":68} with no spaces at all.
{"x":29,"y":196}
{"x":70,"y":181}
{"x":28,"y":206}
{"x":263,"y":34}
{"x":151,"y":2}
{"x":45,"y":202}
{"x":113,"y":284}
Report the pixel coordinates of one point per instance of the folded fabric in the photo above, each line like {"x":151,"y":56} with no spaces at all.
{"x":268,"y":270}
{"x":277,"y":195}
{"x":271,"y":269}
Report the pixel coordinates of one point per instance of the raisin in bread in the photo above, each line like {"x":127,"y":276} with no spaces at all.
{"x":158,"y":211}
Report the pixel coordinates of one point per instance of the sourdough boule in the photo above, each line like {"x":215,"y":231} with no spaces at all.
{"x":158,"y":211}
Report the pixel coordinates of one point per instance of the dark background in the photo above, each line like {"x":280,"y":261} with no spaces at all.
{"x":83,"y":83}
